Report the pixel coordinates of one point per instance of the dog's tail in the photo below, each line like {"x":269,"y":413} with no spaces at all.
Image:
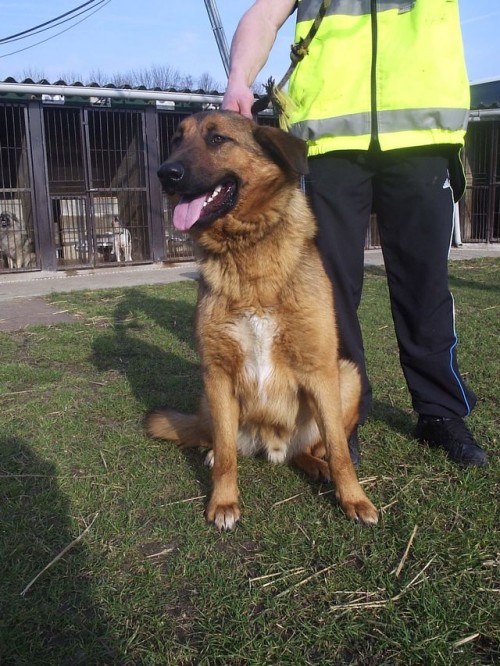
{"x":184,"y":429}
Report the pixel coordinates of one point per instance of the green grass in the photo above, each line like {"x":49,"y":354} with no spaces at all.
{"x":151,"y":584}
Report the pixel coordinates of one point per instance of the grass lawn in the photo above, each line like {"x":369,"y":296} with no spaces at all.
{"x":105,"y":556}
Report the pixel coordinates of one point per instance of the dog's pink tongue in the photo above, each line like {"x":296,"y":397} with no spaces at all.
{"x":186,"y":213}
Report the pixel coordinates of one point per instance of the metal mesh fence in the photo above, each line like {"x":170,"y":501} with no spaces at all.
{"x":97,"y":185}
{"x":17,"y":235}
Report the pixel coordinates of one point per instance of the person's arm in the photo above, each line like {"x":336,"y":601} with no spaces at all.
{"x":250,"y":48}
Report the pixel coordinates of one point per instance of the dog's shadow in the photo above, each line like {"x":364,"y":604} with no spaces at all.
{"x":153,"y":371}
{"x":158,"y":374}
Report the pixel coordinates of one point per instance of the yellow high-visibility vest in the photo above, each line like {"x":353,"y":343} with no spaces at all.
{"x":380,"y":70}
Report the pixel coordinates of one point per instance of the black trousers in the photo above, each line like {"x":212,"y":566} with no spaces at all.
{"x":410,"y":192}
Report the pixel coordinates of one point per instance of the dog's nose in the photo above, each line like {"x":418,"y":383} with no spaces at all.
{"x":171,"y":172}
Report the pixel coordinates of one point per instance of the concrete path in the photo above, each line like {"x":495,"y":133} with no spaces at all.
{"x":22,"y":295}
{"x":21,"y":302}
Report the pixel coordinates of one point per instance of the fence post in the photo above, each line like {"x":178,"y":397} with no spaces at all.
{"x":42,"y":217}
{"x":153,"y":184}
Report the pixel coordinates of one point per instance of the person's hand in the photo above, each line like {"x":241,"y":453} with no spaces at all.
{"x":240,"y":98}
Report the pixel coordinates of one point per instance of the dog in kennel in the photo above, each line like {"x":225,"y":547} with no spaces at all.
{"x":121,"y":241}
{"x":15,"y":244}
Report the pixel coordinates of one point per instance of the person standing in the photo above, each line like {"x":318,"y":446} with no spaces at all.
{"x":381,"y":96}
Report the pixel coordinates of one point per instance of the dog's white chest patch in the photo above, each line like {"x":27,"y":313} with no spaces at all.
{"x":255,"y":335}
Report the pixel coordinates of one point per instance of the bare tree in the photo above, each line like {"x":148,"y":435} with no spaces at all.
{"x":155,"y":76}
{"x":72,"y":77}
{"x":208,"y":83}
{"x":32,"y":73}
{"x":97,"y":76}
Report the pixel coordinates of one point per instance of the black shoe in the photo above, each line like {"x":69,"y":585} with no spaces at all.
{"x":354,"y":449}
{"x":453,"y":436}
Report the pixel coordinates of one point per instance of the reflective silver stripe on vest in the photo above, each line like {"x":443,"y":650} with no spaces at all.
{"x":309,"y":9}
{"x":359,"y":124}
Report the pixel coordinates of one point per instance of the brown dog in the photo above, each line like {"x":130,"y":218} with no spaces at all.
{"x":265,"y":318}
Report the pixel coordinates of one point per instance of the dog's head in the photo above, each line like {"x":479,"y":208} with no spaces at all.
{"x":222,"y":162}
{"x":7,"y":220}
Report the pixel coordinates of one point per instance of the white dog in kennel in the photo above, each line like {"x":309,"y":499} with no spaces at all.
{"x":122,"y":241}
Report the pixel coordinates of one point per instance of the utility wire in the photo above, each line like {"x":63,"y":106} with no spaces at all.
{"x":33,"y":31}
{"x":26,"y":48}
{"x":41,"y":25}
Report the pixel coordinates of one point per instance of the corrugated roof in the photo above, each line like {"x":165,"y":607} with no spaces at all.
{"x":112,"y":86}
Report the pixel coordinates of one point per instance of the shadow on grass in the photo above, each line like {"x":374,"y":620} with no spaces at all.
{"x":156,"y":366}
{"x":397,"y":419}
{"x":56,"y":621}
{"x":461,"y":276}
{"x":376,"y":271}
{"x":462,"y":283}
{"x":157,"y":369}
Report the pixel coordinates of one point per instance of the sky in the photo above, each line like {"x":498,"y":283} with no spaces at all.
{"x":127,"y":35}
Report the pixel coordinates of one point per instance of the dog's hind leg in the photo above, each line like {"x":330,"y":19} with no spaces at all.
{"x":312,"y":459}
{"x":323,"y":386}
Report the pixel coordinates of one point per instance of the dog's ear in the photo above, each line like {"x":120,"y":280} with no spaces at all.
{"x":285,"y":149}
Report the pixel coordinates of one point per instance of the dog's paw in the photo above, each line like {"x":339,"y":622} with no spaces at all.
{"x":224,"y":516}
{"x":209,"y":459}
{"x":361,"y":510}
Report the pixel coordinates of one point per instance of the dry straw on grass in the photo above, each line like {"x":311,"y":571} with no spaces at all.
{"x":61,"y":554}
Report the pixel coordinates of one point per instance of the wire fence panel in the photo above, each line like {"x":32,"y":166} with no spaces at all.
{"x":118,"y":185}
{"x":97,"y":186}
{"x":17,"y":234}
{"x":480,"y":206}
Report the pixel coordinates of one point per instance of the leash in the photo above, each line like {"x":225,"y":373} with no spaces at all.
{"x":274,"y":92}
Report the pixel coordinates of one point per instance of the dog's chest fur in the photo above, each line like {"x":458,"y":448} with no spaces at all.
{"x":267,"y":391}
{"x":255,"y":335}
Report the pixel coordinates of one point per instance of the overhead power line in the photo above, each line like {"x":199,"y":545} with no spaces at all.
{"x":101,"y":3}
{"x":41,"y":25}
{"x":52,"y":25}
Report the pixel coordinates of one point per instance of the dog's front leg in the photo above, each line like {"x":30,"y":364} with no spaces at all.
{"x":223,"y":508}
{"x":324,"y":389}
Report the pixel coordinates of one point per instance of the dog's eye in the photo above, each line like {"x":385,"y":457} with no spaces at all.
{"x":217,"y":139}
